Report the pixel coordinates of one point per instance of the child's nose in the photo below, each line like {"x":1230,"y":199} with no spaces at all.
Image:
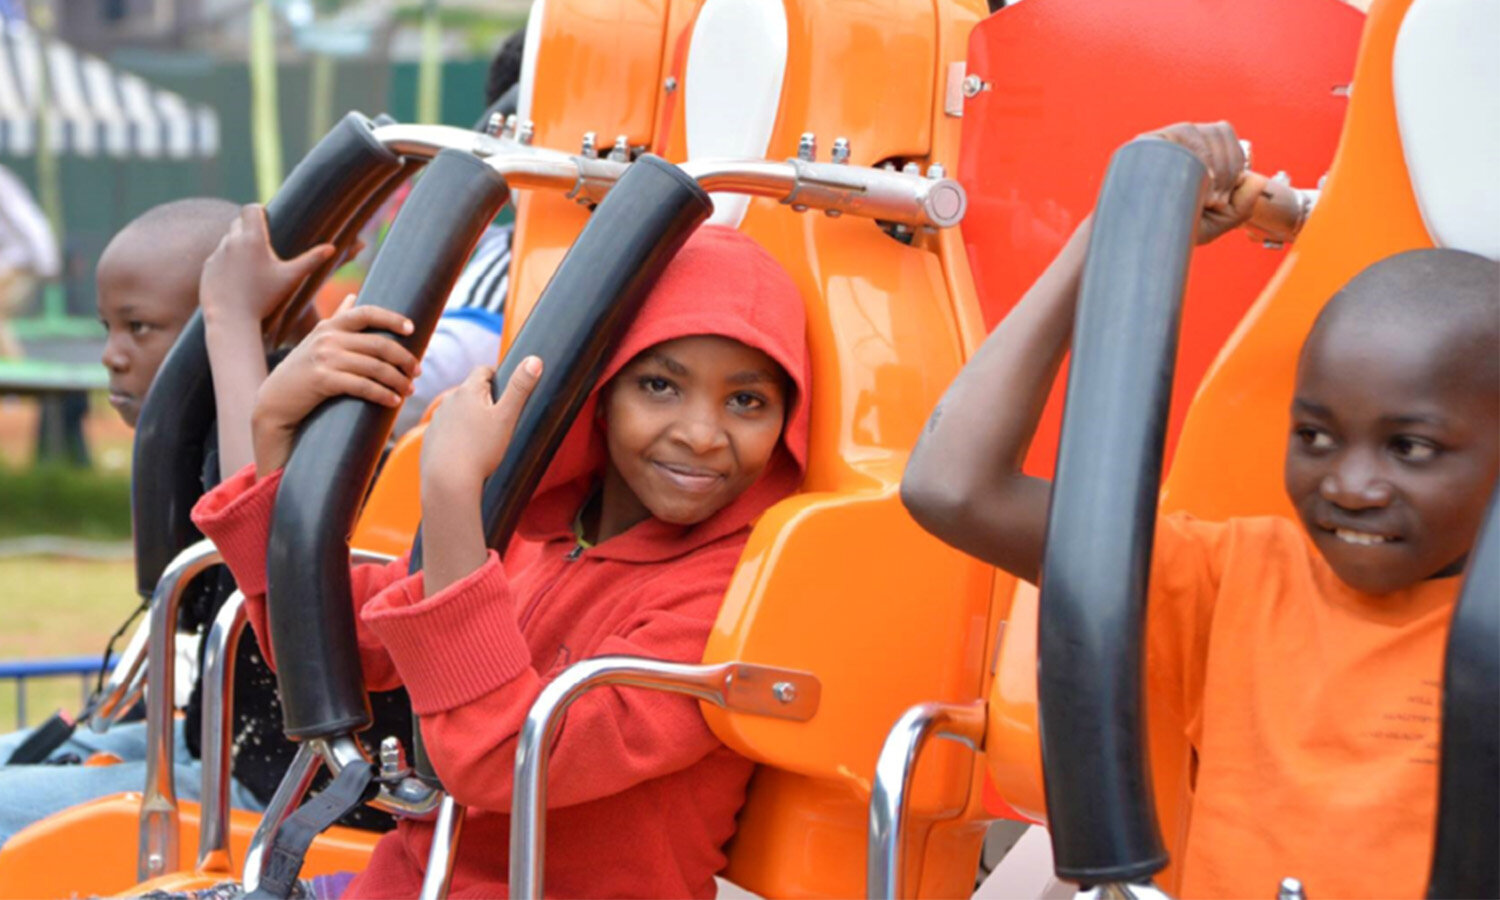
{"x":701,"y":434}
{"x":1355,"y":486}
{"x":113,"y":357}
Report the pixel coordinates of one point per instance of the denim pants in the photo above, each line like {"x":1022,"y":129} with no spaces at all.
{"x":32,"y":792}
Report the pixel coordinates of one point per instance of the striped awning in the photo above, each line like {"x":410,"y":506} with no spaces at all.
{"x":95,"y":109}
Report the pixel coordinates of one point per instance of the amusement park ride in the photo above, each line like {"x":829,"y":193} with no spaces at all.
{"x":913,"y":164}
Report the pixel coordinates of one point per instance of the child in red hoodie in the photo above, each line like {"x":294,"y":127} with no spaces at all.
{"x":699,"y":425}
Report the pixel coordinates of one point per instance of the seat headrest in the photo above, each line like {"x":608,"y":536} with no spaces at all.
{"x":735,"y":67}
{"x":1446,"y":78}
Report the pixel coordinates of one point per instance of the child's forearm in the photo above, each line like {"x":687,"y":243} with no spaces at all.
{"x":453,"y":542}
{"x":964,"y":481}
{"x":238,"y":362}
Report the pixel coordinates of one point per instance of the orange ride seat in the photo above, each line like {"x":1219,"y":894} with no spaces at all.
{"x":1373,"y":204}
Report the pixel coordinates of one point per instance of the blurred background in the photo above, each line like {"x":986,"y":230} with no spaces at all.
{"x":110,"y":107}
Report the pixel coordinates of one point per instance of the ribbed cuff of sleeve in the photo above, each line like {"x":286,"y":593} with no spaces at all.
{"x":455,"y":647}
{"x":236,"y":516}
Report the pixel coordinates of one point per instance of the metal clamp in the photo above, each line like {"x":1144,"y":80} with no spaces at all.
{"x":893,"y":773}
{"x":741,"y":687}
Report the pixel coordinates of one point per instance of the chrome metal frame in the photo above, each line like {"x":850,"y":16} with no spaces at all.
{"x":741,"y":687}
{"x":837,"y":188}
{"x":159,"y":825}
{"x":125,"y":684}
{"x":294,"y":784}
{"x":1124,"y":891}
{"x":893,"y":773}
{"x":445,"y":834}
{"x":218,"y":733}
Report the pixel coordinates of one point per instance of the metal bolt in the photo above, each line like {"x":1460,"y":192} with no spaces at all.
{"x":841,"y":150}
{"x":495,"y":125}
{"x":785,"y":691}
{"x":620,"y":152}
{"x":807,"y":146}
{"x":936,"y":171}
{"x":911,"y":168}
{"x":526,"y":132}
{"x":799,"y":207}
{"x":392,"y":757}
{"x":972,"y":85}
{"x":888,"y":166}
{"x":670,"y":84}
{"x":155,"y":862}
{"x":509,"y":129}
{"x":1290,"y":889}
{"x":590,"y":145}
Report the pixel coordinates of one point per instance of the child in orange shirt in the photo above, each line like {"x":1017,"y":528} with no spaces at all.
{"x":1305,"y":663}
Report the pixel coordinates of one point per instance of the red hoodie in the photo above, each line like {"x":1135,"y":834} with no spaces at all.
{"x":641,"y":795}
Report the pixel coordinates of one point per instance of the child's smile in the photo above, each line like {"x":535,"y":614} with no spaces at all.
{"x":691,"y":424}
{"x":1393,"y":451}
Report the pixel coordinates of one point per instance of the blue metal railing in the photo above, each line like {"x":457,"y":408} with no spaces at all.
{"x":21,"y":671}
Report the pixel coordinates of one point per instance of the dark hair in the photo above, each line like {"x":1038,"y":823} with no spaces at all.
{"x":505,"y":68}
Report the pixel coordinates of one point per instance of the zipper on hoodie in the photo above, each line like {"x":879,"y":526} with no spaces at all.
{"x":571,"y":556}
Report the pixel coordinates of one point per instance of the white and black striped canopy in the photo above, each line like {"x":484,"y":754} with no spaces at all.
{"x":95,"y":109}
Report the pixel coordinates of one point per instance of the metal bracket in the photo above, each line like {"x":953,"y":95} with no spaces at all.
{"x":741,"y":687}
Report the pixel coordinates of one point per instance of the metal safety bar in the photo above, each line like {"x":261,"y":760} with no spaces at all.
{"x":739,"y":687}
{"x":159,"y":826}
{"x":836,"y":188}
{"x":220,"y":657}
{"x":445,"y":834}
{"x":125,"y":684}
{"x":894,"y":769}
{"x":218,"y":734}
{"x":294,"y":784}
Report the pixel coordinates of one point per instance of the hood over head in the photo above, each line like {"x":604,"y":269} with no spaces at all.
{"x":720,"y":283}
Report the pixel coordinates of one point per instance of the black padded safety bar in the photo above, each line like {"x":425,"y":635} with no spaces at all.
{"x":582,"y":313}
{"x":1466,"y":858}
{"x":314,"y":203}
{"x":338,"y":446}
{"x":1091,"y":632}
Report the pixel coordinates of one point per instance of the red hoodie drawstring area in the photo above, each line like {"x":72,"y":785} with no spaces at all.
{"x":641,"y":795}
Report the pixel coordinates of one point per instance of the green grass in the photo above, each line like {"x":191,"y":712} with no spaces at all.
{"x":50,"y":499}
{"x":56,"y":607}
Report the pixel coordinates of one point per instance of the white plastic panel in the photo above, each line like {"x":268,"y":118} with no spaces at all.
{"x":732,"y":87}
{"x":528,"y":60}
{"x":1446,"y":75}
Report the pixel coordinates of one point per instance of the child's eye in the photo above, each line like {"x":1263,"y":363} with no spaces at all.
{"x":139,"y":328}
{"x":1413,"y":449}
{"x":1314,"y":438}
{"x":655,"y":385}
{"x":745,"y":401}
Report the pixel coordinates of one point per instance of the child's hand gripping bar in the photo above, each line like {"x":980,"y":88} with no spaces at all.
{"x":319,"y":196}
{"x":338,"y":445}
{"x":1100,"y":808}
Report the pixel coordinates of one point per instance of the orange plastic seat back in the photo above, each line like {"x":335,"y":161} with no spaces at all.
{"x":838,"y":581}
{"x":1229,"y":458}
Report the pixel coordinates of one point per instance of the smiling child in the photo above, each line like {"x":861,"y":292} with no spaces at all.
{"x":698,"y":426}
{"x":1304,"y":664}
